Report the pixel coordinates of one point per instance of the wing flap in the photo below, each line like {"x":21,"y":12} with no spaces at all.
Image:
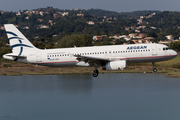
{"x":90,"y":58}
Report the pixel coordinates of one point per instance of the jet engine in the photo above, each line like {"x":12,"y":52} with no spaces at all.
{"x":115,"y":65}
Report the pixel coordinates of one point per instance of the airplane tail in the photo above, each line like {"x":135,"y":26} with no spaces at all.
{"x":18,"y":42}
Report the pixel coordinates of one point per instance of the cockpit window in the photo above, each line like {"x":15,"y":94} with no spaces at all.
{"x":166,"y":48}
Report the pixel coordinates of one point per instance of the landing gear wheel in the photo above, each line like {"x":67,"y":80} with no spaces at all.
{"x":155,"y":70}
{"x":95,"y":73}
{"x":154,"y":67}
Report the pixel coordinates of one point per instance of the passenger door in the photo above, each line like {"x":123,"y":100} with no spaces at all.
{"x":154,"y":50}
{"x":38,"y":57}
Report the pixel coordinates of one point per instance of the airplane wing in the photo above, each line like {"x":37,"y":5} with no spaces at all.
{"x":92,"y":60}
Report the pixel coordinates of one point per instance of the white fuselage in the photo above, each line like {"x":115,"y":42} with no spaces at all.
{"x":129,"y":53}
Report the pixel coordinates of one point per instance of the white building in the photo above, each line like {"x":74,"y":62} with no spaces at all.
{"x":170,"y":37}
{"x":90,"y":23}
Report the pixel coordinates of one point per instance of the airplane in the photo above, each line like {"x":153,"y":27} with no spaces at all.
{"x":112,"y":57}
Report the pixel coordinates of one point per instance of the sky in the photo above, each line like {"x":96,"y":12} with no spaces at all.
{"x":111,"y":5}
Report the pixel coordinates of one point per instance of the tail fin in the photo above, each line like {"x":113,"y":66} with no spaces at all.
{"x":18,"y":42}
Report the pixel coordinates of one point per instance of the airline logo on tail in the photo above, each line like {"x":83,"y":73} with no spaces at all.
{"x":20,"y":44}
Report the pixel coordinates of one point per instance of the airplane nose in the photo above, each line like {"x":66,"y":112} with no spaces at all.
{"x":175,"y":53}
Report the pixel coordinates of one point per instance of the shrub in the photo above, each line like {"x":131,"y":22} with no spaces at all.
{"x":177,"y":65}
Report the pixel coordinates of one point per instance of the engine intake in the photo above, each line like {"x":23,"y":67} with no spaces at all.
{"x":115,"y":65}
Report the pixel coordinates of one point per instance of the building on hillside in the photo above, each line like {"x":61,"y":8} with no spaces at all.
{"x":147,"y":41}
{"x":26,"y":27}
{"x":27,"y":18}
{"x":149,"y":38}
{"x":43,"y":27}
{"x":137,"y":31}
{"x":97,"y":38}
{"x":170,"y":37}
{"x":132,"y":35}
{"x":18,"y":14}
{"x":65,"y":14}
{"x":41,"y":13}
{"x":80,"y":15}
{"x":167,"y":42}
{"x":50,"y":22}
{"x":90,"y":23}
{"x":140,"y":21}
{"x":2,"y":28}
{"x":142,"y":35}
{"x":2,"y":12}
{"x":35,"y":12}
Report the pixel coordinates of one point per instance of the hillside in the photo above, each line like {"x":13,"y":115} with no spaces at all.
{"x":135,"y":14}
{"x":45,"y":27}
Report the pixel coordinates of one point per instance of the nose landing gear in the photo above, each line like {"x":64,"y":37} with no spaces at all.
{"x":154,"y":67}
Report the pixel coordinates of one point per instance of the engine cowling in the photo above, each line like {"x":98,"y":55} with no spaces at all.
{"x":115,"y":65}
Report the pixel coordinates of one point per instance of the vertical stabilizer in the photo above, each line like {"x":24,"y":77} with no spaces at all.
{"x":18,"y":42}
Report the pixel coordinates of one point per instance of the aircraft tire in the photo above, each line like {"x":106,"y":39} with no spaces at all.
{"x":155,"y":70}
{"x":95,"y":74}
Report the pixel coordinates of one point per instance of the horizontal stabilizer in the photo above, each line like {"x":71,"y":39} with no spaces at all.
{"x":14,"y":55}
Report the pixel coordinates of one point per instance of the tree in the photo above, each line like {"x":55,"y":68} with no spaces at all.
{"x":74,"y":40}
{"x":151,"y":34}
{"x":175,"y":45}
{"x":39,"y":44}
{"x":4,"y":51}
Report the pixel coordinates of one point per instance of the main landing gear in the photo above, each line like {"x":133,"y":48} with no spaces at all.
{"x":95,"y":73}
{"x":154,"y":67}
